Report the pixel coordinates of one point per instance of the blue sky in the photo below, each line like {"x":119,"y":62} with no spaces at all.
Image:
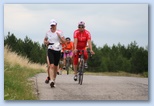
{"x":108,"y":23}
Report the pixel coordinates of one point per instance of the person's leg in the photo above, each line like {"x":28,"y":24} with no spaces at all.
{"x":48,"y":71}
{"x":71,"y":57}
{"x":58,"y":69}
{"x":85,"y":59}
{"x":52,"y":72}
{"x":60,"y":66}
{"x":56,"y":62}
{"x":55,"y":72}
{"x":51,"y":60}
{"x":48,"y":68}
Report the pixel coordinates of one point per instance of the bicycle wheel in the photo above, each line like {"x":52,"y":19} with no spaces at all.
{"x":80,"y":78}
{"x":67,"y":65}
{"x":67,"y":68}
{"x":79,"y":73}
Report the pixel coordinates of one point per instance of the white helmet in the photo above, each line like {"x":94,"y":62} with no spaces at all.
{"x":81,"y":23}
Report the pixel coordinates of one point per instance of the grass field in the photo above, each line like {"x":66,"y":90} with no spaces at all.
{"x":17,"y":70}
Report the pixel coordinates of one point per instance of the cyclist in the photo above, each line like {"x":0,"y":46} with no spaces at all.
{"x":81,"y":38}
{"x":68,"y":50}
{"x":53,"y":39}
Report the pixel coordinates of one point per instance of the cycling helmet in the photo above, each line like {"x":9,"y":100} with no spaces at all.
{"x":68,"y":38}
{"x":81,"y":23}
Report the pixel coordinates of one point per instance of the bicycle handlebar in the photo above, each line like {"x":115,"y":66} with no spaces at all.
{"x":82,"y":51}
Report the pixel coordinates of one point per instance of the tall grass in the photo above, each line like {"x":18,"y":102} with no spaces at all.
{"x":17,"y":70}
{"x":14,"y":59}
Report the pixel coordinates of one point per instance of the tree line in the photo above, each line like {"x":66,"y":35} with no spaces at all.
{"x":130,"y":58}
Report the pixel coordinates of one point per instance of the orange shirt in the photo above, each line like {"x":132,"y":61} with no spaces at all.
{"x":68,"y":46}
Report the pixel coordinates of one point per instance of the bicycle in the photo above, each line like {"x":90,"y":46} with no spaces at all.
{"x":81,"y":65}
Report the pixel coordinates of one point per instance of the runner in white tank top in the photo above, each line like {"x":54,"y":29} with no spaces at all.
{"x":53,"y":39}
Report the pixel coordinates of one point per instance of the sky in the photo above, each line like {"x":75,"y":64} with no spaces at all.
{"x":108,"y":23}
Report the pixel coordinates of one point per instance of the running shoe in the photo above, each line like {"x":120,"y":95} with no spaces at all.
{"x":57,"y":73}
{"x":64,"y":67}
{"x":47,"y":80}
{"x":52,"y":84}
{"x":75,"y":78}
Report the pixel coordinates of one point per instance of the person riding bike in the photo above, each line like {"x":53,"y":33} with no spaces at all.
{"x":81,"y":38}
{"x":68,"y":50}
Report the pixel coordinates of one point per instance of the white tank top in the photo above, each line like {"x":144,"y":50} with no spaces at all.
{"x":54,"y":39}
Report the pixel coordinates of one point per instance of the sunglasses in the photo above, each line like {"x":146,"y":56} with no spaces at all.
{"x":80,"y":26}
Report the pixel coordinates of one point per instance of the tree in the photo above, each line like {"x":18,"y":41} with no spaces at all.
{"x":11,"y":41}
{"x":132,"y":58}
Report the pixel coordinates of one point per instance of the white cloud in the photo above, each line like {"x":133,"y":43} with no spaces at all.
{"x":15,"y":16}
{"x":113,"y":22}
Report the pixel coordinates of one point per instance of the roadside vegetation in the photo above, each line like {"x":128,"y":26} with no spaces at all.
{"x":17,"y":70}
{"x":118,"y":73}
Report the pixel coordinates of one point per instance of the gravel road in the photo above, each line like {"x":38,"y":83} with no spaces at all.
{"x":93,"y":88}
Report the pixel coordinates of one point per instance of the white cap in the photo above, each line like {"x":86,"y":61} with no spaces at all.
{"x":53,"y":22}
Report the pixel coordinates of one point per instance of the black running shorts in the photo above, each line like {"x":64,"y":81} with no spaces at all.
{"x":54,"y":56}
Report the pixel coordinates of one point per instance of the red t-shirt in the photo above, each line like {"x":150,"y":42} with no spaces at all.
{"x":82,"y":38}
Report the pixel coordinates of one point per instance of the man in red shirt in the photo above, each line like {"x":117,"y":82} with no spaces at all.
{"x":81,"y":38}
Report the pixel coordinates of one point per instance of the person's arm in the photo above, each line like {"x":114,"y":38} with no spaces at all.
{"x":90,"y":47}
{"x":75,"y":42}
{"x":72,"y":46}
{"x":62,"y":39}
{"x":90,"y":43}
{"x":64,"y":45}
{"x":46,"y":42}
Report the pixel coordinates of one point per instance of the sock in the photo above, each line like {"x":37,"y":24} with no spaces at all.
{"x":52,"y":80}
